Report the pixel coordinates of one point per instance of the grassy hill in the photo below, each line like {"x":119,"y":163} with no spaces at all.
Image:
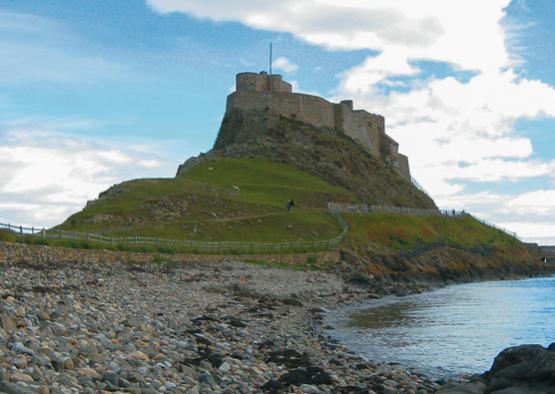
{"x":393,"y":233}
{"x":231,"y":199}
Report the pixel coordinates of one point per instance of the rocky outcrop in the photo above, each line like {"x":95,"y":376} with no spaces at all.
{"x":439,"y":265}
{"x":524,"y":369}
{"x":322,"y":152}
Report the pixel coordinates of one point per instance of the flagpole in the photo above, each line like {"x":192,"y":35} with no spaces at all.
{"x":270,"y":58}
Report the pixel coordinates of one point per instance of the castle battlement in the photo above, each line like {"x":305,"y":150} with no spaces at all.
{"x":263,"y":91}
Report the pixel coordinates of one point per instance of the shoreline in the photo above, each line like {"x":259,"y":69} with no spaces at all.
{"x":337,"y":326}
{"x":186,"y":328}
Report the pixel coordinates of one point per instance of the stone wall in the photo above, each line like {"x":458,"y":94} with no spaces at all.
{"x":361,"y":126}
{"x":547,"y":251}
{"x":309,"y":109}
{"x":253,"y":82}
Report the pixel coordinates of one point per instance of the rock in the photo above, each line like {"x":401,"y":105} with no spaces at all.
{"x":138,"y":355}
{"x":310,"y":389}
{"x":291,"y":301}
{"x":21,"y":377}
{"x":88,"y":372}
{"x":464,"y":388}
{"x":20,"y":311}
{"x":289,"y":357}
{"x":310,"y":375}
{"x":538,"y":369}
{"x":111,"y":377}
{"x":13,"y":388}
{"x":516,"y":354}
{"x":58,"y":329}
{"x":522,"y":369}
{"x":225,"y":367}
{"x":7,"y":322}
{"x":18,"y":347}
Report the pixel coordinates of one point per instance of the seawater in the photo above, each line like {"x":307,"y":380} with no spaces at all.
{"x":453,"y":330}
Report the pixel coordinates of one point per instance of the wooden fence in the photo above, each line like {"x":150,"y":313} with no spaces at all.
{"x":208,"y":247}
{"x":368,"y":208}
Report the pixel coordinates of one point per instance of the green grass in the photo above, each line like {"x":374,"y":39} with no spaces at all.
{"x":399,"y":233}
{"x":227,"y":199}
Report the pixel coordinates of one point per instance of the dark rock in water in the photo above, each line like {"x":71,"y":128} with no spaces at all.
{"x":465,"y":388}
{"x":526,"y":390}
{"x":539,"y":369}
{"x":514,"y":355}
{"x":524,"y":369}
{"x":289,"y":357}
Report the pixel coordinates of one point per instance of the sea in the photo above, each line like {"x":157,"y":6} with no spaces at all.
{"x":451,"y":331}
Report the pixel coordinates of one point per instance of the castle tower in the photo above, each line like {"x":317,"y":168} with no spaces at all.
{"x":269,"y":92}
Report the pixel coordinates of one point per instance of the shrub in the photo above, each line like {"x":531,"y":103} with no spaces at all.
{"x":7,"y":236}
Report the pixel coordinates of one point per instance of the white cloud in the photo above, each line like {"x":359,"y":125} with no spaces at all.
{"x":284,"y":64}
{"x":47,"y":175}
{"x":458,"y":32}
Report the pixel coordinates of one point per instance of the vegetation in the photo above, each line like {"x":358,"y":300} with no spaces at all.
{"x":225,"y":199}
{"x":402,"y":233}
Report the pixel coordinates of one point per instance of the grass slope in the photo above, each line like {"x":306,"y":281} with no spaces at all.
{"x":233,"y":199}
{"x":402,"y":233}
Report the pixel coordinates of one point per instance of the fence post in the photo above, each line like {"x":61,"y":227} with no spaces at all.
{"x":32,"y":230}
{"x":9,"y":227}
{"x":135,"y":240}
{"x":60,"y":234}
{"x":21,"y":230}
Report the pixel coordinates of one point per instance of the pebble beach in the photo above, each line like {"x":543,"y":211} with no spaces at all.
{"x":209,"y":327}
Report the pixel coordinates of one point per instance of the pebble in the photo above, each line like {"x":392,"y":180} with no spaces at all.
{"x":193,"y":328}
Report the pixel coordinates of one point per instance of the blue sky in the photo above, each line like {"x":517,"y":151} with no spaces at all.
{"x":93,"y":93}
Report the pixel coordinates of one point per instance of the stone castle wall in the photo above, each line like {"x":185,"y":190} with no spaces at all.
{"x":269,"y":92}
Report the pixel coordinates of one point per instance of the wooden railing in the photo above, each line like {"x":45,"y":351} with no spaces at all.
{"x":208,"y":247}
{"x":369,"y":208}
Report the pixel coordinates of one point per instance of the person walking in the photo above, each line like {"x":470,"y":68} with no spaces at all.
{"x":290,"y":205}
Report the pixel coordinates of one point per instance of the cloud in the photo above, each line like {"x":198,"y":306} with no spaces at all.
{"x":284,"y":64}
{"x":47,"y":175}
{"x":458,"y":32}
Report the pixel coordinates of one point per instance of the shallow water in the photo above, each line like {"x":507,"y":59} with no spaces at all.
{"x":454,"y":330}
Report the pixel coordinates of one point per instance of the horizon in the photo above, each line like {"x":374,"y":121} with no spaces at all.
{"x":92,"y":95}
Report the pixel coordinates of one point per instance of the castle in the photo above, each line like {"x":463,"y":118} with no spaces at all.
{"x":263,"y":91}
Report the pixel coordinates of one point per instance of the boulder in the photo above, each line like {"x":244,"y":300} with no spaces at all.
{"x":514,"y":355}
{"x":464,"y":388}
